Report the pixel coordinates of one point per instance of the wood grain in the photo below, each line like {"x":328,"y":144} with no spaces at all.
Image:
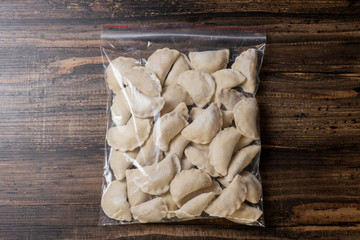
{"x":75,"y":9}
{"x":53,"y":101}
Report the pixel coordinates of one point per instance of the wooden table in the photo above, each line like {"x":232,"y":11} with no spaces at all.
{"x":52,"y":122}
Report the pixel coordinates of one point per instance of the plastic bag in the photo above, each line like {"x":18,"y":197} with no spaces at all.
{"x":183,"y":137}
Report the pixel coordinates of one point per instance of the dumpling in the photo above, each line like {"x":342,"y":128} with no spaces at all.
{"x":177,"y":145}
{"x":221,"y":149}
{"x":120,"y":112}
{"x":161,"y":61}
{"x":173,"y":96}
{"x":130,"y":136}
{"x":195,"y":112}
{"x":120,"y":161}
{"x":135,"y":195}
{"x":114,"y":203}
{"x":254,"y":189}
{"x":202,"y":147}
{"x":181,"y":65}
{"x":195,"y":206}
{"x":227,"y":78}
{"x":182,"y":109}
{"x":204,"y":128}
{"x":167,"y":127}
{"x":200,"y":159}
{"x":246,"y":63}
{"x":186,"y":164}
{"x":149,"y":153}
{"x":228,"y":118}
{"x":246,"y":116}
{"x":223,"y":181}
{"x":229,"y":98}
{"x":209,"y":61}
{"x":171,"y":205}
{"x":213,"y":188}
{"x":245,"y":214}
{"x":188,"y":181}
{"x":140,"y":105}
{"x":199,"y":85}
{"x":150,"y":211}
{"x":143,"y":80}
{"x":115,"y":70}
{"x":243,"y":142}
{"x":240,"y":160}
{"x":155,"y":179}
{"x":229,"y":200}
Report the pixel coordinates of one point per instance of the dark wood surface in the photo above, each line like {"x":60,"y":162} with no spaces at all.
{"x":52,"y":117}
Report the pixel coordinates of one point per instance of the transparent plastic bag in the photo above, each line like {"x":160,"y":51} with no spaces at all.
{"x":183,"y":136}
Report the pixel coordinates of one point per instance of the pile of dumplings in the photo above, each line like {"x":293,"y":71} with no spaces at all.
{"x":183,"y":133}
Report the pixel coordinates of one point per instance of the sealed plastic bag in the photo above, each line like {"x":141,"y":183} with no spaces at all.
{"x":183,"y":137}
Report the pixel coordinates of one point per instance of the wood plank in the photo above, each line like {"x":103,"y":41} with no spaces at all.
{"x":73,"y":9}
{"x":296,"y":188}
{"x":293,"y":29}
{"x":289,"y":119}
{"x":188,"y":232}
{"x":319,"y":108}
